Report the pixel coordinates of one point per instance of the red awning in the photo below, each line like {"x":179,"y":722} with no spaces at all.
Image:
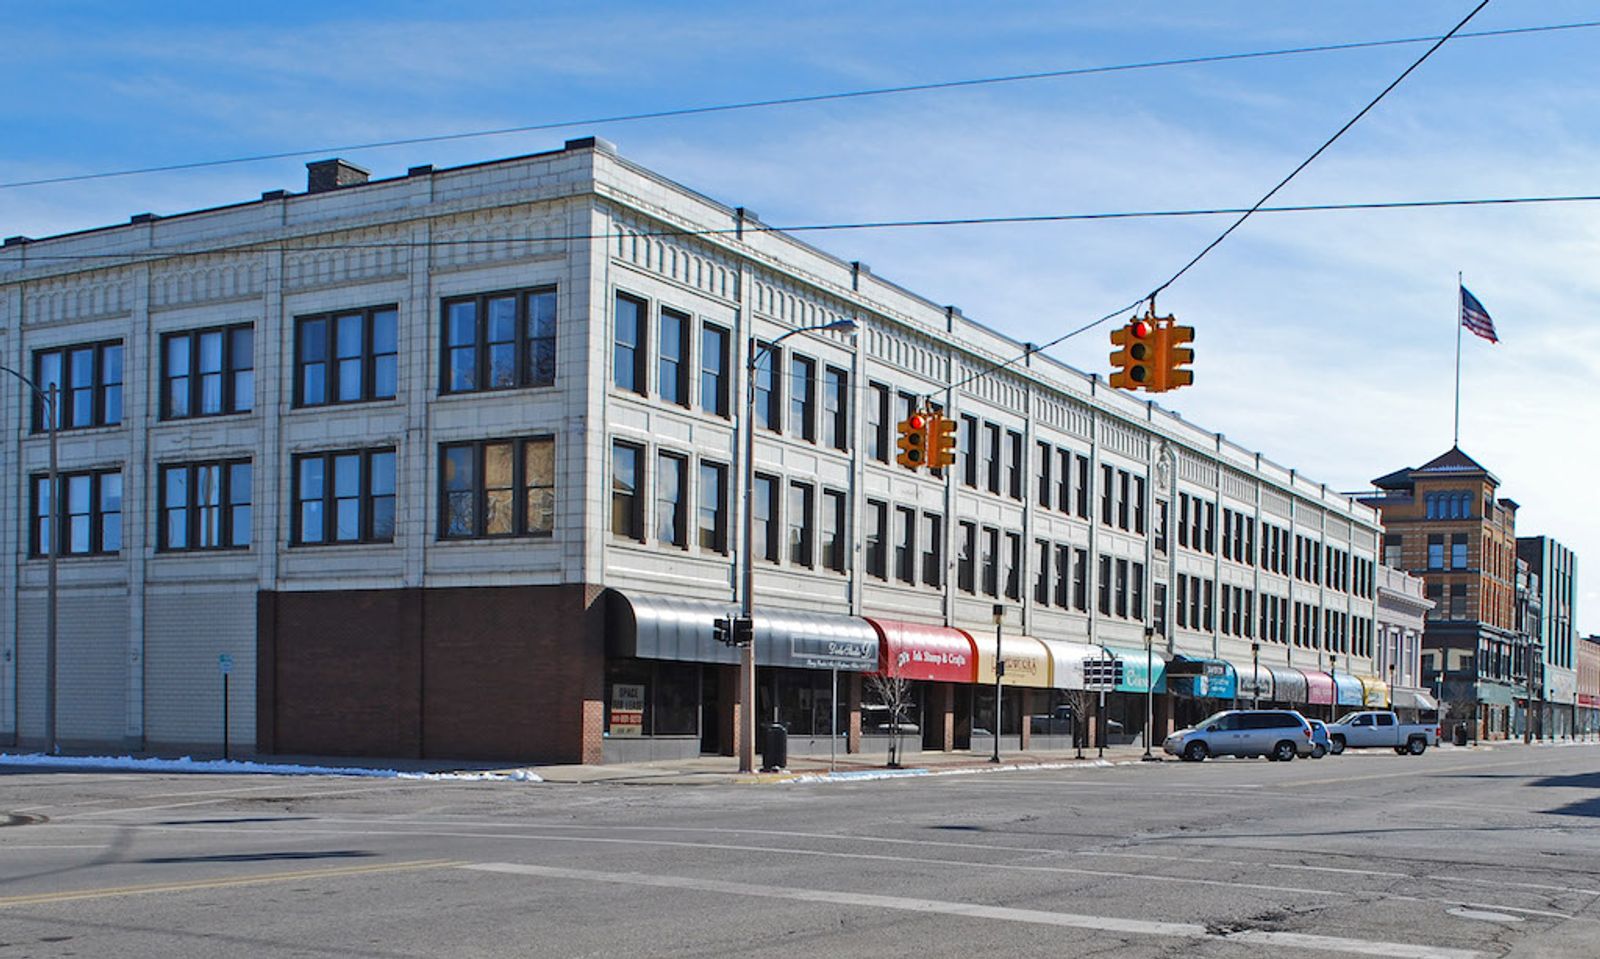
{"x":915,"y":651}
{"x":1319,"y":687}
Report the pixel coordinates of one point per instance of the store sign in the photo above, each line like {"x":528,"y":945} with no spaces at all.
{"x":933,"y":663}
{"x":1216,"y":681}
{"x":627,"y":709}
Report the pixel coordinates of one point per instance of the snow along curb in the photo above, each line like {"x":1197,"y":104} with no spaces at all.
{"x":240,"y":767}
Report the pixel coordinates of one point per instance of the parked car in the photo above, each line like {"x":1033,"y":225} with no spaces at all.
{"x":1319,"y":738}
{"x":1279,"y":734}
{"x":1374,"y":729}
{"x":1057,"y":722}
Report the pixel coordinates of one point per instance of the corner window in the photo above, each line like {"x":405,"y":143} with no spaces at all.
{"x":498,"y":341}
{"x":346,"y":357}
{"x":343,"y":497}
{"x":88,"y":380}
{"x":204,"y":506}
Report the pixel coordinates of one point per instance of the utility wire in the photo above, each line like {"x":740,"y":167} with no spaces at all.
{"x":1151,"y":296}
{"x":753,"y":227}
{"x":790,"y":101}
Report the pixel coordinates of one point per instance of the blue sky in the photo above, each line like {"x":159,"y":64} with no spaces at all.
{"x":1325,"y":340}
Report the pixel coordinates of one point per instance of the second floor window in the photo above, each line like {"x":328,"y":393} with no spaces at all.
{"x":500,"y":341}
{"x":802,"y":539}
{"x":208,"y":372}
{"x":88,"y":380}
{"x":89,"y":520}
{"x":713,"y":512}
{"x":764,"y":509}
{"x":873,"y":519}
{"x":672,"y":470}
{"x":344,"y":497}
{"x":205,"y":506}
{"x":346,"y":357}
{"x":498,"y":488}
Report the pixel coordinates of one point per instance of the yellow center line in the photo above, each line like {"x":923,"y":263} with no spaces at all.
{"x":154,"y":887}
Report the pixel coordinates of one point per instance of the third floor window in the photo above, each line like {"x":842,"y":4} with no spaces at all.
{"x":500,"y":341}
{"x":346,"y":357}
{"x":88,"y":378}
{"x":208,"y":372}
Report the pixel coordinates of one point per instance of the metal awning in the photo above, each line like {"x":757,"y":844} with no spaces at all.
{"x":1288,"y":685}
{"x":1137,"y":668}
{"x":1202,"y":678}
{"x":1319,"y":687}
{"x":1066,"y":662}
{"x":644,"y":626}
{"x":1254,"y":683}
{"x":1494,"y":694}
{"x":1027,"y":662}
{"x":1407,"y":698}
{"x":1348,"y":690}
{"x":1377,"y":691}
{"x":918,"y":651}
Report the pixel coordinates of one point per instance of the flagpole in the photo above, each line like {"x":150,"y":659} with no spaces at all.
{"x":1455,"y":441}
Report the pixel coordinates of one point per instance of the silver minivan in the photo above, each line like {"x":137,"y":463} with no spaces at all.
{"x":1278,"y":734}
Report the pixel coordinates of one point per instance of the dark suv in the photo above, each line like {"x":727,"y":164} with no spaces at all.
{"x":1279,"y":734}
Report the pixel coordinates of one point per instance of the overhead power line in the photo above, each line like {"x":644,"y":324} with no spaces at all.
{"x":788,"y":101}
{"x":1193,"y":261}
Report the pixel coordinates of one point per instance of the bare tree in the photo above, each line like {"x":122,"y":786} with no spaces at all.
{"x":895,"y":694}
{"x":1082,"y":702}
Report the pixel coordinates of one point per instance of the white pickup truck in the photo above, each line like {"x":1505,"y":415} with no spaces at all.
{"x":1381,"y":729}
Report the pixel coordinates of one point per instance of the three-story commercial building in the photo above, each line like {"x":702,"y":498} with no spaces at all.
{"x":452,"y":464}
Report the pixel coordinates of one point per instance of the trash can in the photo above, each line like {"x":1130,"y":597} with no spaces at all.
{"x":1461,"y":734}
{"x":775,"y":749}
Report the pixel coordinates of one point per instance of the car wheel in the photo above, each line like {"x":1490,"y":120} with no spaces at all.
{"x":1336,"y":745}
{"x":1196,"y":752}
{"x":1318,"y":751}
{"x":1283,"y":752}
{"x":1399,"y":750}
{"x":1417,"y":746}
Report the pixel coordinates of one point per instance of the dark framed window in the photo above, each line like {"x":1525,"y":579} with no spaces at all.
{"x":1108,"y":494}
{"x":967,"y":560}
{"x":836,"y":408}
{"x":713,"y":511}
{"x":208,"y":372}
{"x":88,"y":381}
{"x":345,"y":496}
{"x":89,"y":521}
{"x":1082,"y":487}
{"x":803,"y":397}
{"x":627,"y":504}
{"x":1080,"y":580}
{"x":1103,"y":588}
{"x":1014,"y":465}
{"x":833,"y":526}
{"x":204,"y":506}
{"x":970,"y":457}
{"x":905,"y":544}
{"x":769,"y":397}
{"x":991,"y":561}
{"x":802,"y":526}
{"x":672,"y":371}
{"x":672,"y":481}
{"x":932,"y":536}
{"x":1138,"y":504}
{"x":1042,"y":488}
{"x":500,"y":341}
{"x":1013,"y":566}
{"x":1063,"y":494}
{"x":878,"y":422}
{"x":1063,"y":576}
{"x":993,"y":455}
{"x":346,"y":357}
{"x":875,"y":517}
{"x":1122,"y":588}
{"x":1041,"y":573}
{"x":714,"y":342}
{"x":764,"y":509}
{"x":499,"y":487}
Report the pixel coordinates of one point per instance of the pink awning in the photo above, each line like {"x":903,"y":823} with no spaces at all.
{"x":915,"y":651}
{"x":1319,"y":687}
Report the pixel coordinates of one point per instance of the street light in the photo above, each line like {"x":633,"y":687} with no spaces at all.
{"x":999,"y":671}
{"x":1149,"y":691}
{"x":52,"y":553}
{"x":1255,"y":675}
{"x":747,"y":652}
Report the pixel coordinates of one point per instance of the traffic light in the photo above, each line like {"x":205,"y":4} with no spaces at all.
{"x":721,"y":632}
{"x":943,"y":448}
{"x":1172,"y":356}
{"x":744,"y":630}
{"x":913,"y":441}
{"x":733,"y":630}
{"x":1132,"y":368}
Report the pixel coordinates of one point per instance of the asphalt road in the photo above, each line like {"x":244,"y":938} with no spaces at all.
{"x":1457,"y":853}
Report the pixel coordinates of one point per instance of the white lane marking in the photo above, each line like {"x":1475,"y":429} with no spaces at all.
{"x":1530,"y":912}
{"x":54,"y":846}
{"x":1542,"y":887}
{"x":1138,"y":927}
{"x":1481,"y":915}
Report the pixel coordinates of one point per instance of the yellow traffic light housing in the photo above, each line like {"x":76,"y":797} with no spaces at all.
{"x":913,"y":441}
{"x":1172,"y":357}
{"x":1132,"y":368}
{"x":942,"y":451}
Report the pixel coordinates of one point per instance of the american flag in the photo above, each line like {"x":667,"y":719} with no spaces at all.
{"x":1475,"y":318}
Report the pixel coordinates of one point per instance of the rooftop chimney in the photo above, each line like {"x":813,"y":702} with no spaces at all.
{"x":325,"y":175}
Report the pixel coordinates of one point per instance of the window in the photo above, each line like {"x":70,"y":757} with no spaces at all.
{"x":1436,"y":551}
{"x":966,"y":562}
{"x":992,"y":456}
{"x":90,"y":519}
{"x":346,"y":357}
{"x":1080,"y":580}
{"x":1138,"y":591}
{"x":1181,"y":607}
{"x":1041,"y":572}
{"x":970,"y":456}
{"x":207,"y":372}
{"x":878,"y":422}
{"x":932,"y":549}
{"x":1122,"y":589}
{"x":1124,"y":494}
{"x":1210,"y":588}
{"x":1211,"y":528}
{"x":1107,"y":493}
{"x":672,"y":472}
{"x":905,"y":545}
{"x":1041,"y":477}
{"x":507,"y":488}
{"x":1138,"y":504}
{"x":713,"y":511}
{"x":802,"y":537}
{"x":766,"y":386}
{"x":1161,"y":525}
{"x":1013,"y":565}
{"x":1014,"y":464}
{"x":1105,"y":586}
{"x":88,"y":380}
{"x":803,"y":397}
{"x":343,"y":497}
{"x":627,"y":508}
{"x":1183,"y":519}
{"x":1064,"y":480}
{"x":1391,"y":550}
{"x":714,"y":370}
{"x":874,"y":517}
{"x":991,"y":561}
{"x":765,"y":512}
{"x":204,"y":506}
{"x":1434,"y":592}
{"x":500,"y":341}
{"x":1063,"y":576}
{"x":1458,"y":550}
{"x":1082,"y":482}
{"x":628,"y":350}
{"x":672,"y":371}
{"x":833,"y":539}
{"x":1458,"y":601}
{"x":836,"y":408}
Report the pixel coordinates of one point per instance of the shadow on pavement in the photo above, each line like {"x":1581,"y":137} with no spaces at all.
{"x":260,"y":857}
